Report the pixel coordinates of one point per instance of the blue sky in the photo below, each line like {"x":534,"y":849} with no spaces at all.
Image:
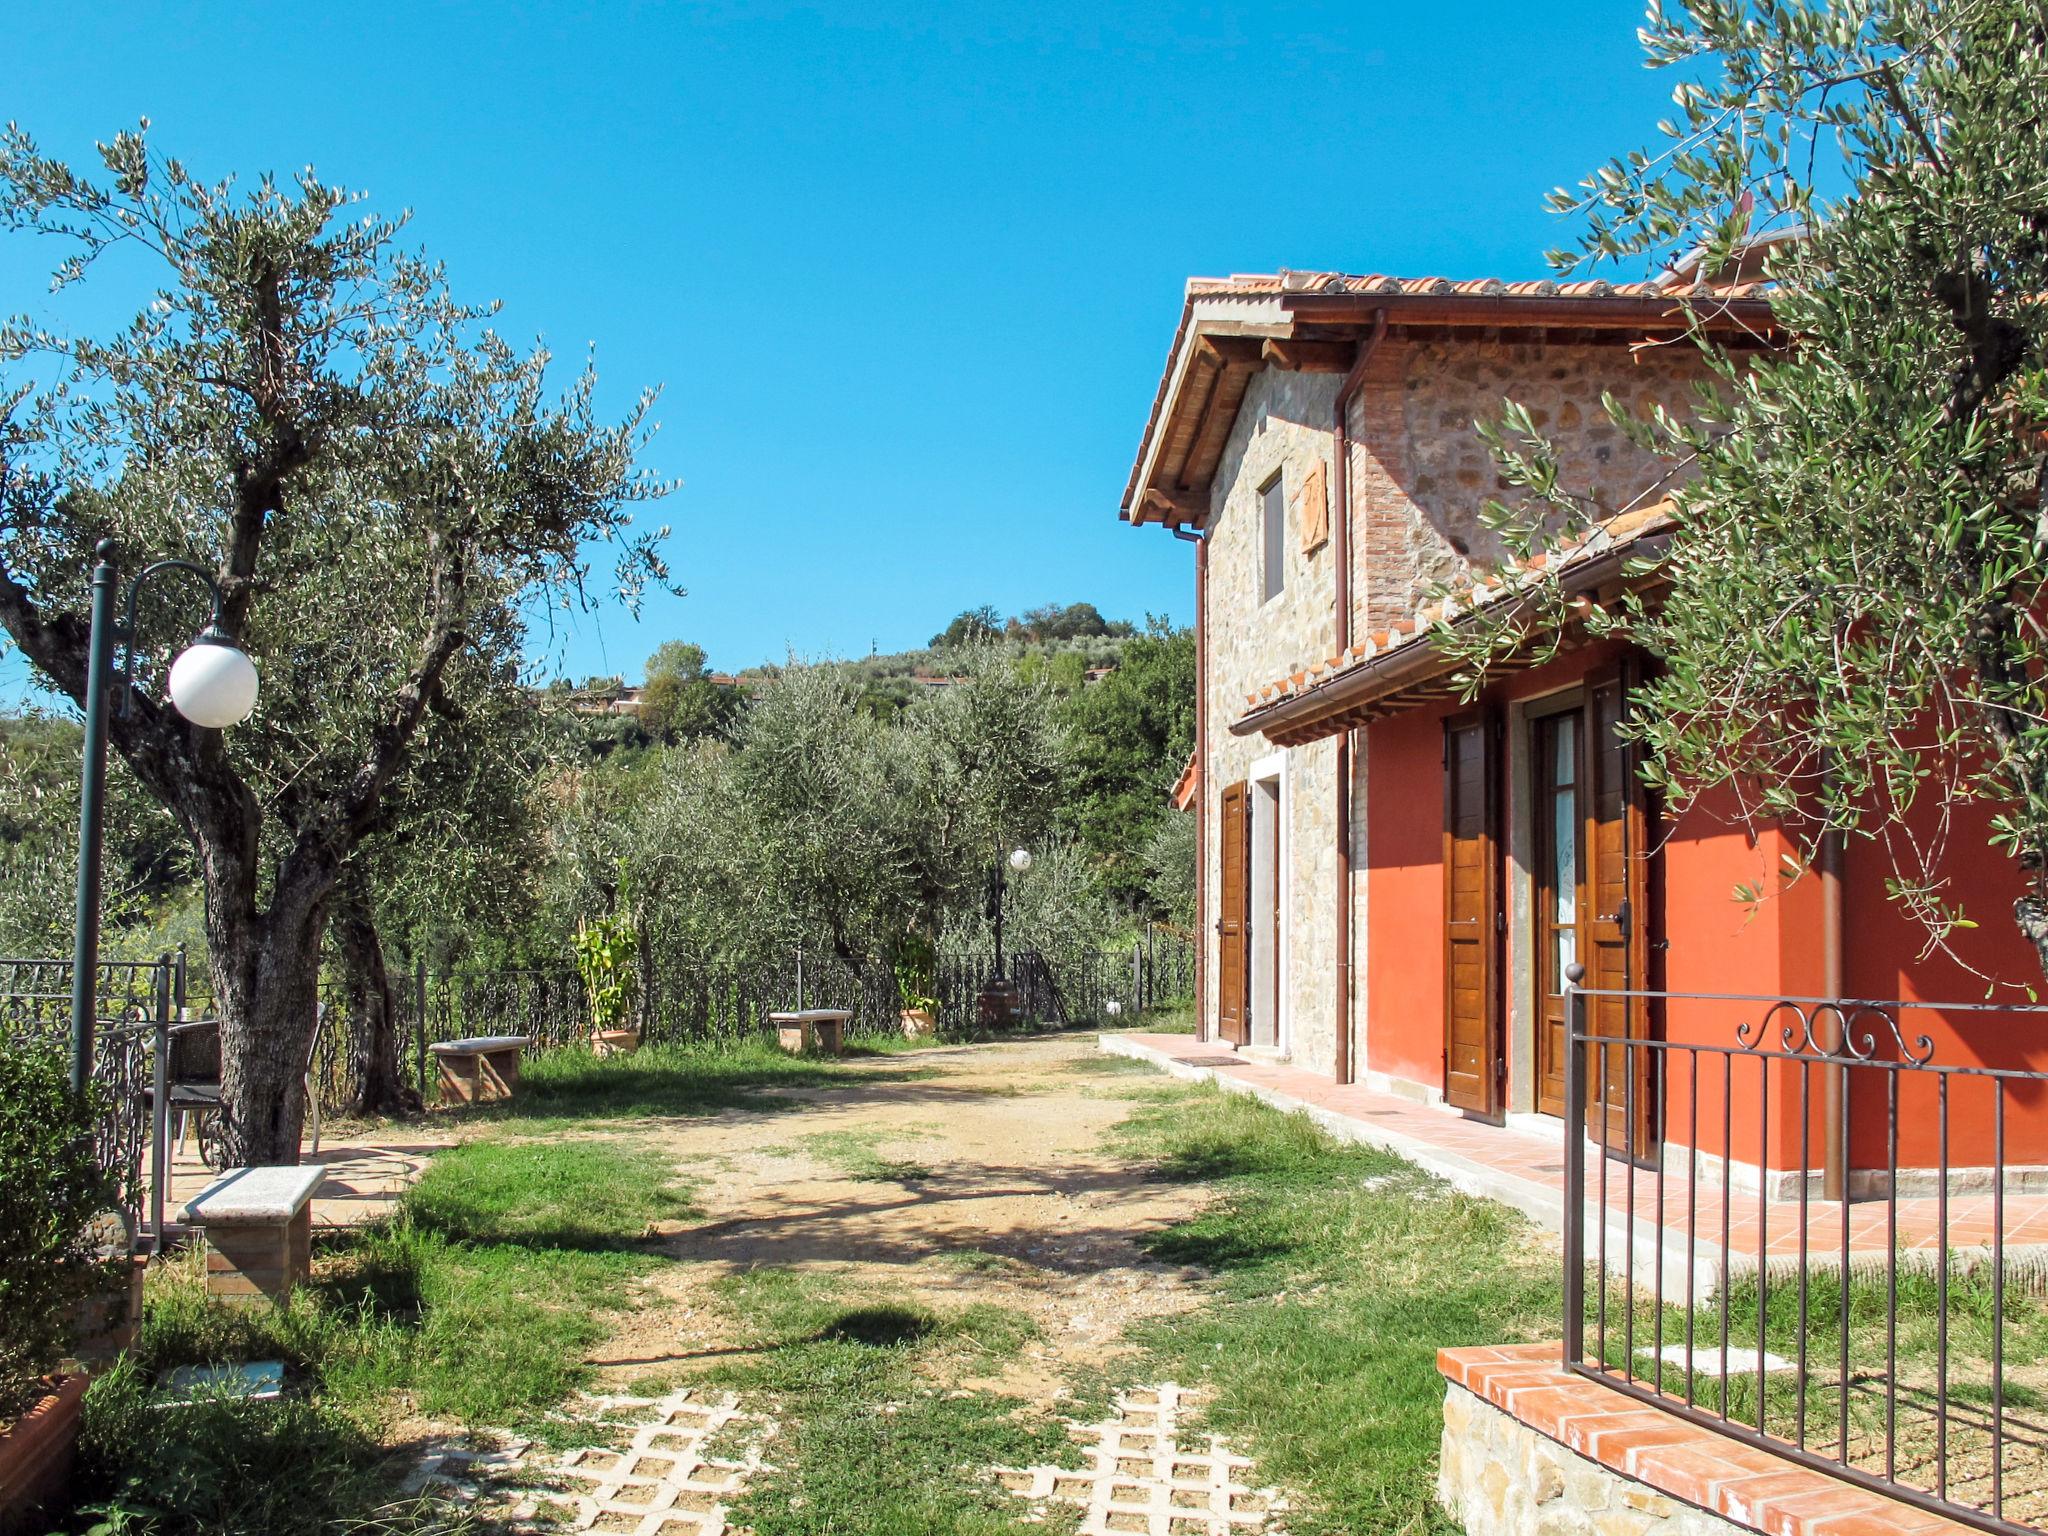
{"x":906,"y":274}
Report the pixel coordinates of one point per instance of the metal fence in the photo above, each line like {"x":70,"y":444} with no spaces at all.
{"x":1797,"y":1226}
{"x":137,"y":1000}
{"x":677,"y":999}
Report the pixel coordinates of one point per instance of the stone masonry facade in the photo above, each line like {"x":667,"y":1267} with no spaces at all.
{"x":1420,"y":476}
{"x":1284,"y":427}
{"x":1423,"y":475}
{"x":1499,"y":1477}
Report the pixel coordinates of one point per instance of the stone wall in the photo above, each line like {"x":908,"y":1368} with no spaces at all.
{"x":1284,"y":426}
{"x":1499,"y":1477}
{"x":1530,"y":1449}
{"x":1422,"y":474}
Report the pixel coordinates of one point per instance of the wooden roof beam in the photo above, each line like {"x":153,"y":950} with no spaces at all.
{"x":1169,"y":506}
{"x":1309,"y":356}
{"x":1238,"y":358}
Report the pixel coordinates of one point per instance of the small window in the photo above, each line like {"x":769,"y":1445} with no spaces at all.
{"x":1273,"y":512}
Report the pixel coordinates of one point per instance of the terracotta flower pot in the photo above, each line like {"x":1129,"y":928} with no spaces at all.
{"x":36,"y":1453}
{"x":918,"y":1022}
{"x":614,"y":1042}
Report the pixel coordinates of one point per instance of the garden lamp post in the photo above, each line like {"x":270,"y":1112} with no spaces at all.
{"x":212,"y":683}
{"x":1019,"y":860}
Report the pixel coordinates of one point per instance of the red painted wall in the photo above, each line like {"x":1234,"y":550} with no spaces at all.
{"x":1715,"y":943}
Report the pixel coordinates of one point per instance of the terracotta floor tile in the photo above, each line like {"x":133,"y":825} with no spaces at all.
{"x":1539,"y":1161}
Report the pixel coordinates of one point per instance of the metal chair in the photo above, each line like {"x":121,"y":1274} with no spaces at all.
{"x":192,"y":1084}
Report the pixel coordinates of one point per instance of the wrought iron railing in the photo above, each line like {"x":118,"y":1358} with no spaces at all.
{"x":679,"y":998}
{"x":135,"y":1000}
{"x":1789,"y":1220}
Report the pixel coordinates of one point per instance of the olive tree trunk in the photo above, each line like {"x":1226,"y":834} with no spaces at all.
{"x":266,"y":980}
{"x":372,"y":1010}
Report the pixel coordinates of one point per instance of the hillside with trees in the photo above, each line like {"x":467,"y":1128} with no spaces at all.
{"x":850,"y":806}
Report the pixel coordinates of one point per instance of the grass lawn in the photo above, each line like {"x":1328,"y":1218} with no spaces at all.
{"x":476,"y":1304}
{"x":573,"y":1087}
{"x":868,"y":1446}
{"x":1892,"y":1390}
{"x":1339,"y":1272}
{"x":1342,"y":1271}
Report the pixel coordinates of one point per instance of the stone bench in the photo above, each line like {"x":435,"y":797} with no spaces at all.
{"x":480,"y":1070}
{"x":808,"y":1029}
{"x":259,"y":1231}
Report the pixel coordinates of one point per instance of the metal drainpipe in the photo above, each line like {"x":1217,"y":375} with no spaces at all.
{"x":1340,"y":555}
{"x":1201,"y":543}
{"x":1835,"y":1083}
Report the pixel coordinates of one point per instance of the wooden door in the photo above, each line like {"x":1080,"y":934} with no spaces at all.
{"x":1615,"y":933}
{"x":1472,"y":919}
{"x":1233,"y":928}
{"x":1557,"y":788}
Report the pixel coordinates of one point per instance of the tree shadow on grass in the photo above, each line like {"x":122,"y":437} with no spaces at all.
{"x":591,"y":1089}
{"x":877,"y":1327}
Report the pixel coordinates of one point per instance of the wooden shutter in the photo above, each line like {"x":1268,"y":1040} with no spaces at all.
{"x":1233,"y":931}
{"x":1617,"y":920}
{"x":1472,"y":1044}
{"x":1312,"y":511}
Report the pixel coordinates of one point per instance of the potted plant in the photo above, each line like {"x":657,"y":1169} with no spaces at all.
{"x":915,"y":963}
{"x":52,"y":1193}
{"x":605,"y":951}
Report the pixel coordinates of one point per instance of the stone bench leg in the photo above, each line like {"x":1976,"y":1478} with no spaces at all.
{"x":481,"y":1077}
{"x":498,"y":1074}
{"x":253,"y":1262}
{"x":794,"y":1037}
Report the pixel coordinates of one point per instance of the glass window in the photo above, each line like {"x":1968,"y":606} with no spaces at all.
{"x":1273,"y":510}
{"x":1558,"y":755}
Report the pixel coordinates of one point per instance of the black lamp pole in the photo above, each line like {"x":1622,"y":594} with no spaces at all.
{"x":1001,"y":886}
{"x":85,"y":945}
{"x":106,"y":633}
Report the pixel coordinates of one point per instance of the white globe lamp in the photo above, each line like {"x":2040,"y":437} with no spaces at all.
{"x":1020,"y":860}
{"x":213,"y":683}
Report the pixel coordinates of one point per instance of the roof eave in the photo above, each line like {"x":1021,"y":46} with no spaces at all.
{"x":1671,"y":311}
{"x":1330,"y":706}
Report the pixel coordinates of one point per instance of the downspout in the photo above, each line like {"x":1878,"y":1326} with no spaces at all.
{"x":1201,"y":778}
{"x":1835,"y":1080}
{"x":1340,"y":555}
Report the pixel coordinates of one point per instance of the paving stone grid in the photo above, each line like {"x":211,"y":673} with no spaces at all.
{"x":1140,"y":1478}
{"x":660,"y":1482}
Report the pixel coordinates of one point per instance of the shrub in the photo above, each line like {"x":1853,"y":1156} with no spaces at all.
{"x":51,"y":1189}
{"x":224,"y":1466}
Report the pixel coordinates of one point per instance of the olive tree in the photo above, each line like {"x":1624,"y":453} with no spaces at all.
{"x":375,"y":476}
{"x":1850,"y":618}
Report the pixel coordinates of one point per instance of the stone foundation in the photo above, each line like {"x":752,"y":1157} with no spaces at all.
{"x":1499,"y":1477}
{"x":1530,"y":1449}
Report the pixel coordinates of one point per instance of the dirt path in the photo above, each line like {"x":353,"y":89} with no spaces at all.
{"x":961,"y":1175}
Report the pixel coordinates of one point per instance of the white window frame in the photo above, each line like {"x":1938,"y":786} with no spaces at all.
{"x":1272,"y":768}
{"x":1273,"y":550}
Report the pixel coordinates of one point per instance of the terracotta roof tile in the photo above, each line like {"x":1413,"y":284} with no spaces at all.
{"x":1267,"y":285}
{"x":1621,"y":529}
{"x":1261,"y":284}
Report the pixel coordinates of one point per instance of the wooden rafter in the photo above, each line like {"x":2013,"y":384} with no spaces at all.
{"x":1205,"y":369}
{"x":1237,"y":360}
{"x":1309,"y":356}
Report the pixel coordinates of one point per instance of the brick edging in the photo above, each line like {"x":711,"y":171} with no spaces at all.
{"x":1744,"y":1484}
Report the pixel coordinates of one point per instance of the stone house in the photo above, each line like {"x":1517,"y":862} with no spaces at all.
{"x":1392,"y":881}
